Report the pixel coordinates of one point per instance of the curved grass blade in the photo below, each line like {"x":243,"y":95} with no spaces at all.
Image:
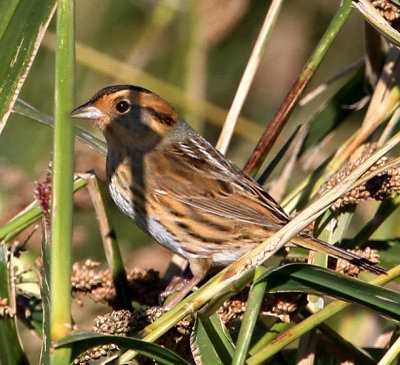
{"x":314,"y":279}
{"x":23,"y":108}
{"x":284,"y":339}
{"x":80,"y":342}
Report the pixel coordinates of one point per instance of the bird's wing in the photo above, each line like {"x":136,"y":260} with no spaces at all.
{"x":199,"y":176}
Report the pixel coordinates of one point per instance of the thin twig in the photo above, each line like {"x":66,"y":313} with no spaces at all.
{"x":110,"y":244}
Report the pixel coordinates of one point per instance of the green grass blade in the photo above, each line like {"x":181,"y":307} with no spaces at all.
{"x":213,"y":343}
{"x":313,"y":321}
{"x":63,"y":161}
{"x":8,"y":8}
{"x":23,"y":108}
{"x":22,"y":27}
{"x":272,"y":332}
{"x":314,"y":279}
{"x":256,"y":296}
{"x":80,"y":342}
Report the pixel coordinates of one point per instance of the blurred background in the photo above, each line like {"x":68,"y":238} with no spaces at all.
{"x":200,"y":47}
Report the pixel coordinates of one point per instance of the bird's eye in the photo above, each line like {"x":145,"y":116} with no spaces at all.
{"x":123,"y":107}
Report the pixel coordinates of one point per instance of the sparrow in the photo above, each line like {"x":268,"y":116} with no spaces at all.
{"x":182,"y":191}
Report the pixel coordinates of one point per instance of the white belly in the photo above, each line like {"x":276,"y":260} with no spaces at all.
{"x":151,"y":226}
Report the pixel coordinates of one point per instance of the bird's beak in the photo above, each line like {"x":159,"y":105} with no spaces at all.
{"x":87,"y":111}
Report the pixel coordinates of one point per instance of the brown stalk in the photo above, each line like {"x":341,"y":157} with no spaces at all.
{"x":277,"y":123}
{"x":280,"y":118}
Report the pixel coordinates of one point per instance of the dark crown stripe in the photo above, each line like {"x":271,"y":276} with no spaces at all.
{"x":112,"y":89}
{"x":164,"y":118}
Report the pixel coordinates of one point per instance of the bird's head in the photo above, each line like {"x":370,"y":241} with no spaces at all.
{"x":130,"y":115}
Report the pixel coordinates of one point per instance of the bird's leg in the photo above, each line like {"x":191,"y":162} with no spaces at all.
{"x":199,"y":268}
{"x":183,"y":287}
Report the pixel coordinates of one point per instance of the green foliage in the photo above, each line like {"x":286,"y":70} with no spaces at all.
{"x":212,"y":340}
{"x":304,"y":278}
{"x":22,"y":26}
{"x":81,"y":342}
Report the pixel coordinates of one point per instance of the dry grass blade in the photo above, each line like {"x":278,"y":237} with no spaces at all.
{"x":384,"y":99}
{"x":248,"y":76}
{"x":111,"y":248}
{"x":373,"y":16}
{"x":107,"y":233}
{"x":391,"y":354}
{"x":391,"y":125}
{"x":286,"y":108}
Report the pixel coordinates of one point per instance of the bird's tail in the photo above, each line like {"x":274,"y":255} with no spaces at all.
{"x":314,"y":244}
